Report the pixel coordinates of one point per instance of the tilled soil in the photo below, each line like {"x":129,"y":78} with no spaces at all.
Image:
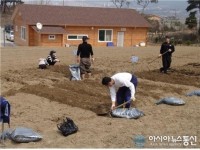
{"x":42,"y":98}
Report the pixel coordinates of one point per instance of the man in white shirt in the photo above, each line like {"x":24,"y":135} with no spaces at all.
{"x":122,"y":88}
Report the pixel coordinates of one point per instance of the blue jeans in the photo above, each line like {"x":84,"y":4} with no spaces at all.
{"x":124,"y":93}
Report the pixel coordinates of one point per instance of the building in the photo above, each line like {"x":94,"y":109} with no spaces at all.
{"x":65,"y":26}
{"x":154,"y":17}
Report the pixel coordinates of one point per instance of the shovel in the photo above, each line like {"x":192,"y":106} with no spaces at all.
{"x":108,"y":112}
{"x":155,"y":59}
{"x":158,"y":57}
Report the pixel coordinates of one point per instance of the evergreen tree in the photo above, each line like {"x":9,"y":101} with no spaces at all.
{"x":193,"y":8}
{"x":191,"y":21}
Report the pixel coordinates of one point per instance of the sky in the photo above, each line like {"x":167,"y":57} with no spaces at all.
{"x":163,"y":8}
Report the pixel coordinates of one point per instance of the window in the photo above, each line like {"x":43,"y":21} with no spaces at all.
{"x":105,"y":35}
{"x":75,"y":36}
{"x":23,"y":33}
{"x":52,"y":37}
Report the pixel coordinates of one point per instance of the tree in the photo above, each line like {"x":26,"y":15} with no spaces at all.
{"x":191,"y":21}
{"x":44,"y":2}
{"x":145,"y":3}
{"x":121,"y":3}
{"x":193,"y":8}
{"x":155,"y":24}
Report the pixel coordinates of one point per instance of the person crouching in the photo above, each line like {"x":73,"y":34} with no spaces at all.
{"x":43,"y":63}
{"x":52,"y":59}
{"x":122,"y":88}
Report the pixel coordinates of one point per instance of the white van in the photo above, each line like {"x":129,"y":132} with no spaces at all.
{"x":10,"y":35}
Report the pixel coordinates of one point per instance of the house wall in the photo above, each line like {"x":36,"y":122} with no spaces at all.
{"x":139,"y":35}
{"x":34,"y":37}
{"x":79,"y":30}
{"x":132,"y":36}
{"x":37,"y":39}
{"x":18,"y":23}
{"x":45,"y":41}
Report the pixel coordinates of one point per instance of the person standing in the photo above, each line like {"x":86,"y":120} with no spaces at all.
{"x":52,"y":58}
{"x":122,"y":88}
{"x":166,"y":50}
{"x":85,"y":57}
{"x":4,"y":112}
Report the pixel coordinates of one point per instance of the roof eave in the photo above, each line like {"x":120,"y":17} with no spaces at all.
{"x":120,"y":26}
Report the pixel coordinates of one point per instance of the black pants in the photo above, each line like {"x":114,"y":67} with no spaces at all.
{"x":43,"y":66}
{"x":166,"y":61}
{"x":124,"y":93}
{"x":51,"y":63}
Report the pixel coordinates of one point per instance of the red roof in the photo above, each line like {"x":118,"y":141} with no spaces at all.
{"x":80,"y":16}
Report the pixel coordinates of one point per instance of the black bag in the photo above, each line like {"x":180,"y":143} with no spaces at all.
{"x":67,"y":127}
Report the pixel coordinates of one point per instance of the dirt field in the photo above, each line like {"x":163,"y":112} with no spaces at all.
{"x":40,"y":99}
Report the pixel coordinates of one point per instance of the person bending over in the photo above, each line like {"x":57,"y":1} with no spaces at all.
{"x":122,"y":88}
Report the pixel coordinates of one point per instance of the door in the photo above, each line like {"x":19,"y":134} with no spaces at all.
{"x":120,"y":39}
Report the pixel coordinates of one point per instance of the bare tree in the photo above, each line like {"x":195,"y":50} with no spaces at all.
{"x":145,"y":3}
{"x":44,"y":2}
{"x":121,"y":3}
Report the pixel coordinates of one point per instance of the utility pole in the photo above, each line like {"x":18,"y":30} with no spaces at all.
{"x":198,"y":28}
{"x":4,"y":37}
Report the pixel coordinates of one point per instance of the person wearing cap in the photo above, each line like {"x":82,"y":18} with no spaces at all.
{"x":85,"y":57}
{"x":51,"y":58}
{"x":166,"y":50}
{"x":122,"y":88}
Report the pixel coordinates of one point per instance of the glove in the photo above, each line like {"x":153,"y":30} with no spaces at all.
{"x":112,"y":107}
{"x":92,"y":59}
{"x":133,"y":98}
{"x":169,"y":50}
{"x":57,"y":60}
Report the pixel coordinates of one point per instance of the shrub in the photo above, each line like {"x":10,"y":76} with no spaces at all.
{"x":188,"y":43}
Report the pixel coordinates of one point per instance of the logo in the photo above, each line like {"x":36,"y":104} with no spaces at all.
{"x":139,"y":141}
{"x":175,"y":141}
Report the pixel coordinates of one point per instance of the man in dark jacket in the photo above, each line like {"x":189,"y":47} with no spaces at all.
{"x":166,"y":51}
{"x":85,"y":57}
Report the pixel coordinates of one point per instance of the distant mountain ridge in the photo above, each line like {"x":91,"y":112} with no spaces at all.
{"x":169,"y":8}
